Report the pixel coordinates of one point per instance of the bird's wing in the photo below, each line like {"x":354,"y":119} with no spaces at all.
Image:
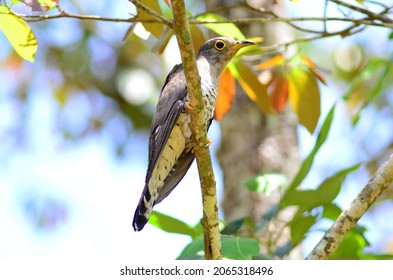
{"x":182,"y":165}
{"x":171,"y":103}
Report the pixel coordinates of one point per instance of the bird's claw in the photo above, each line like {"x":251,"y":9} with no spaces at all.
{"x":205,"y":146}
{"x":188,"y":106}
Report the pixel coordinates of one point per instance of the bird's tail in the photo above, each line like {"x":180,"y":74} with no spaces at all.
{"x":140,"y":219}
{"x":143,"y":210}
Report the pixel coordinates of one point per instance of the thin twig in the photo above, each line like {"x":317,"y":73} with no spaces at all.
{"x":324,"y":15}
{"x":286,"y":20}
{"x":149,"y":11}
{"x":343,"y":33}
{"x":348,"y":219}
{"x":366,"y":21}
{"x":363,"y":11}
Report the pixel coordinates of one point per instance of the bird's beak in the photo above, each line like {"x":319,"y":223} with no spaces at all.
{"x":243,"y":43}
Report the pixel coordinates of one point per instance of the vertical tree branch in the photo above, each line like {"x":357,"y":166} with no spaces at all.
{"x":199,"y":132}
{"x":347,"y":220}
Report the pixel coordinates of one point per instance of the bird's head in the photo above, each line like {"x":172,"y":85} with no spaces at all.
{"x":220,"y":50}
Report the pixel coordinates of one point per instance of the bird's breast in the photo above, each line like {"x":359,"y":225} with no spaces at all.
{"x":209,"y":92}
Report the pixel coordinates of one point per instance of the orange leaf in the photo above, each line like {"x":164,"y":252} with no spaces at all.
{"x":308,"y":61}
{"x":226,"y":93}
{"x":279,"y":95}
{"x":314,"y":69}
{"x":255,"y":90}
{"x":273,"y":62}
{"x":304,"y":97}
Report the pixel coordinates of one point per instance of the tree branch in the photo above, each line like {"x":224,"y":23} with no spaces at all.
{"x":210,"y":220}
{"x":343,"y":33}
{"x":347,"y":220}
{"x":149,"y":11}
{"x":363,"y":11}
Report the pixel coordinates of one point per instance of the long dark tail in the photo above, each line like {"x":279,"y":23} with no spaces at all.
{"x":139,"y":220}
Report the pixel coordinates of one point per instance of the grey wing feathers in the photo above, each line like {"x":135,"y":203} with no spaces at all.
{"x":170,"y":105}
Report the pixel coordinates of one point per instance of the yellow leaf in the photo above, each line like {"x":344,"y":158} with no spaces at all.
{"x":273,"y":62}
{"x":197,"y":37}
{"x":304,"y":97}
{"x":154,"y":28}
{"x":255,"y":90}
{"x":223,"y":29}
{"x":162,"y":43}
{"x":18,"y":34}
{"x":226,"y":93}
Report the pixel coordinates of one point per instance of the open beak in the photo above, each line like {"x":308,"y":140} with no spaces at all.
{"x":243,"y":43}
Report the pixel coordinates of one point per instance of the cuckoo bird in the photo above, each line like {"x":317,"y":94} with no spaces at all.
{"x":170,"y":142}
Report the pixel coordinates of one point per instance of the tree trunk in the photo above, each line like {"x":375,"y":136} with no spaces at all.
{"x":251,"y":142}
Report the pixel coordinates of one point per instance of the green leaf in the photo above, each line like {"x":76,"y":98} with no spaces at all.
{"x":367,"y":85}
{"x":283,"y":250}
{"x":324,"y":194}
{"x":377,"y":257}
{"x":300,"y":226}
{"x":172,"y":225}
{"x":331,"y":211}
{"x":307,"y":163}
{"x":224,"y":29}
{"x":233,"y":227}
{"x":266,"y":183}
{"x":352,"y":246}
{"x":391,"y":36}
{"x":304,"y":96}
{"x":262,"y":257}
{"x":382,"y":80}
{"x":232,"y":247}
{"x":193,"y":250}
{"x":239,"y":248}
{"x":18,"y":34}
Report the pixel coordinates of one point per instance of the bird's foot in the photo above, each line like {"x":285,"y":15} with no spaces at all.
{"x":188,"y":106}
{"x":205,"y":146}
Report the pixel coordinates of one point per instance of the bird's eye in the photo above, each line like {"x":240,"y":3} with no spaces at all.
{"x":219,"y":45}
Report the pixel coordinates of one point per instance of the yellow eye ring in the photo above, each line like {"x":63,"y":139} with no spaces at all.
{"x":220,"y":45}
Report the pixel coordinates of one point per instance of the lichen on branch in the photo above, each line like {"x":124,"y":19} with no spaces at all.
{"x":348,"y":218}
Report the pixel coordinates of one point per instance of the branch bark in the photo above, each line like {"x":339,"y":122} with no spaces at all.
{"x":210,"y":220}
{"x":146,"y":9}
{"x":347,"y":220}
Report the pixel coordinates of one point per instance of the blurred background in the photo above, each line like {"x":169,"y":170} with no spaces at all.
{"x":74,"y":129}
